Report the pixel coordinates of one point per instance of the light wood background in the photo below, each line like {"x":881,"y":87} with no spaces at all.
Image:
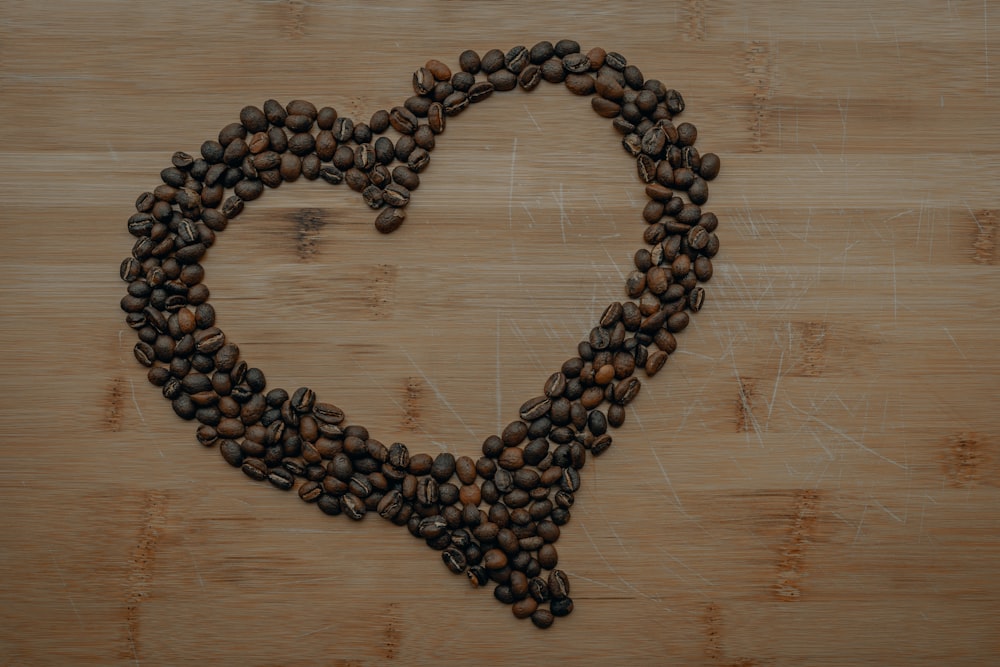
{"x":813,"y":480}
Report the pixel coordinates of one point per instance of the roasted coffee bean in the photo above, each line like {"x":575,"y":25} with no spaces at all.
{"x":353,"y":506}
{"x":454,"y":559}
{"x":255,"y":469}
{"x":465,"y":468}
{"x":524,"y":608}
{"x":576,"y":63}
{"x":281,"y":478}
{"x":530,"y":77}
{"x":580,"y":84}
{"x":553,"y":71}
{"x":542,"y":618}
{"x":492,"y":61}
{"x":389,"y":220}
{"x":565,"y":47}
{"x":561,"y":607}
{"x":502,"y":80}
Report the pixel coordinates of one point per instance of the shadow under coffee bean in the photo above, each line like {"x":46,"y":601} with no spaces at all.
{"x":495,"y":518}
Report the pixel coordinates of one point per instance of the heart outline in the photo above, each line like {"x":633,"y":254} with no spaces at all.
{"x":285,"y":437}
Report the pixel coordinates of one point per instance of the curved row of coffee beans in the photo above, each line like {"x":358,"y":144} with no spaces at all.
{"x":495,"y":518}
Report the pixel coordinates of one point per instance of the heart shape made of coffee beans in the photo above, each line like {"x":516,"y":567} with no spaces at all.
{"x":495,"y":518}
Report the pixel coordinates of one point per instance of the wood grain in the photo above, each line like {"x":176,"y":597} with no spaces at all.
{"x":811,"y":480}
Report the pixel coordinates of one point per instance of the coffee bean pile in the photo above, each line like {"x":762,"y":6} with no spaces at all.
{"x":495,"y":518}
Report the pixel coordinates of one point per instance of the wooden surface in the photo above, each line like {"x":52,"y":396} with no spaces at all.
{"x":811,"y":481}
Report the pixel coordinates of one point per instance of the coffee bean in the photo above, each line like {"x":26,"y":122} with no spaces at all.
{"x":255,"y":469}
{"x":552,"y":70}
{"x":565,"y":47}
{"x":281,"y":478}
{"x":542,"y":618}
{"x":443,"y":467}
{"x":561,"y":607}
{"x":524,"y":608}
{"x":580,"y":84}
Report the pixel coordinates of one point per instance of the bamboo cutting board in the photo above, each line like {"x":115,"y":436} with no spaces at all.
{"x":812,"y":479}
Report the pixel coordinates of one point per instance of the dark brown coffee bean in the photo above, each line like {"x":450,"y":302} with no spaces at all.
{"x":465,"y":469}
{"x":281,"y":478}
{"x":565,"y":47}
{"x":530,"y":77}
{"x":458,"y":101}
{"x":516,"y":59}
{"x":605,"y":108}
{"x":454,"y":559}
{"x":254,"y":469}
{"x":553,"y":71}
{"x":390,"y":220}
{"x":542,"y":618}
{"x":503,"y":80}
{"x":512,"y":458}
{"x":443,"y":467}
{"x":709,"y":168}
{"x":561,"y":607}
{"x":570,"y":481}
{"x":686,"y":134}
{"x":494,"y":559}
{"x":674,"y":101}
{"x":492,"y":61}
{"x":576,"y":63}
{"x":524,"y":608}
{"x":600,"y":445}
{"x":580,"y":84}
{"x":353,"y":506}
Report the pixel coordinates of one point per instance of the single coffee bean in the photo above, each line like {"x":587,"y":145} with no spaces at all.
{"x":255,"y":469}
{"x":542,"y":618}
{"x":561,"y":607}
{"x":524,"y":608}
{"x":281,"y":478}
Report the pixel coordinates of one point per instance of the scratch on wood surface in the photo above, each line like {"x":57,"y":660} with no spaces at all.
{"x":62,"y":580}
{"x":744,"y":401}
{"x":140,"y":566}
{"x":666,"y":478}
{"x":895,"y":299}
{"x":858,"y":443}
{"x":441,"y":397}
{"x":611,"y":568}
{"x":986,"y":41}
{"x":774,"y":392}
{"x":510,"y":189}
{"x":497,"y":379}
{"x":861,"y":522}
{"x":135,"y":401}
{"x":526,"y":343}
{"x":533,"y":121}
{"x":563,"y":218}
